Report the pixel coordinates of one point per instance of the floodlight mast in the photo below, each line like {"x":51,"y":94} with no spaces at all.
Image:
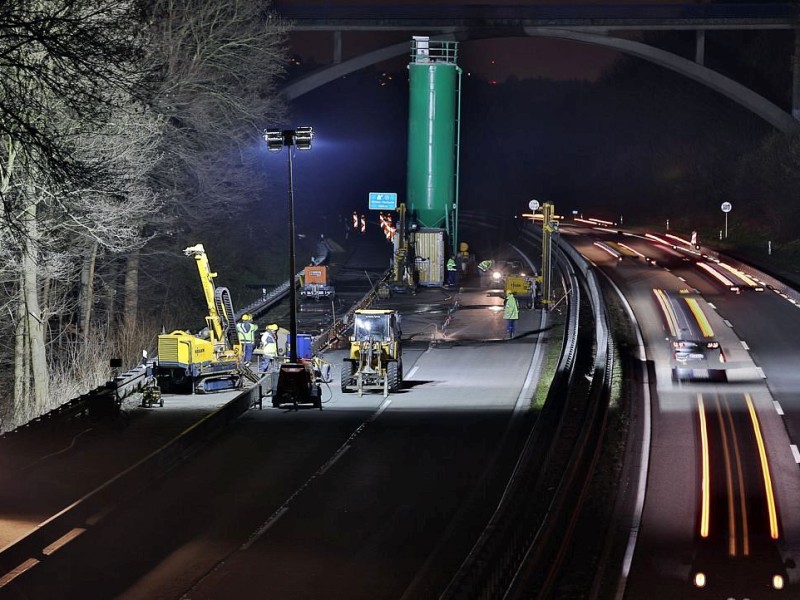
{"x":276,"y":139}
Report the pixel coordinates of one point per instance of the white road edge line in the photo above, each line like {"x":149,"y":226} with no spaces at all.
{"x":778,"y":408}
{"x":411,"y":373}
{"x":728,"y":323}
{"x":744,"y":345}
{"x":711,"y":305}
{"x":525,"y":395}
{"x":795,"y":453}
{"x":641,"y":487}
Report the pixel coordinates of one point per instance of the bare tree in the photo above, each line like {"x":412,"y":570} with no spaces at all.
{"x":68,"y":79}
{"x":215,"y":67}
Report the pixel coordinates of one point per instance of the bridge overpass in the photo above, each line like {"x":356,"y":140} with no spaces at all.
{"x":599,"y":25}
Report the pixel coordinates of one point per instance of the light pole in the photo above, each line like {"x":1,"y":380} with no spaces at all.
{"x":276,"y":139}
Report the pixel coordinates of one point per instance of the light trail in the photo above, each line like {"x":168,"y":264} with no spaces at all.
{"x":762,"y":452}
{"x":669,"y":314}
{"x":631,"y":250}
{"x":679,"y":239}
{"x":728,"y":482}
{"x":716,"y":274}
{"x":700,"y":317}
{"x":742,"y":494}
{"x":606,"y":248}
{"x":705,"y":492}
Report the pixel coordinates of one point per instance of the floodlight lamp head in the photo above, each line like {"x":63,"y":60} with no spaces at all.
{"x":302,"y":137}
{"x":274,"y":139}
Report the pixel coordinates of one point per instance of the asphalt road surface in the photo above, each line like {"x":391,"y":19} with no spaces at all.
{"x":720,"y":516}
{"x":368,"y":498}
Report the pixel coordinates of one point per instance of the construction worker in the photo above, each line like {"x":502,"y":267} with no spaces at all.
{"x":247,"y":336}
{"x":510,"y":313}
{"x":269,"y":346}
{"x":484,"y":272}
{"x":452,"y":272}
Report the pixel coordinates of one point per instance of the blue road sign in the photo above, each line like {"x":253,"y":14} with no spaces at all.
{"x":382,"y":200}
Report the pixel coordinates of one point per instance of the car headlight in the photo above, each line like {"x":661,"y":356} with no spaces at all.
{"x":699,"y":580}
{"x":777,"y":582}
{"x":497,"y":275}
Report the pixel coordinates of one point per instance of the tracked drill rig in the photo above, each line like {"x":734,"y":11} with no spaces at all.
{"x":188,"y":362}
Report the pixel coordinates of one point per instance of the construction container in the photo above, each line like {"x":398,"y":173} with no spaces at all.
{"x":315,"y":274}
{"x":430,"y":252}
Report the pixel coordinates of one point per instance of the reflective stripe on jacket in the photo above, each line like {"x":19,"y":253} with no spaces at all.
{"x":247,"y":332}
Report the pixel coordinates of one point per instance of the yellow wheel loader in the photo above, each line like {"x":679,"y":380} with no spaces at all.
{"x":375,"y":361}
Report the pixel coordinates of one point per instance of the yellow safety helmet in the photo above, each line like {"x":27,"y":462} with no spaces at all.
{"x":273,"y":327}
{"x":247,"y":317}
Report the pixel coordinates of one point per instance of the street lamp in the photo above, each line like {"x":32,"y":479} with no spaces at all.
{"x":276,"y":139}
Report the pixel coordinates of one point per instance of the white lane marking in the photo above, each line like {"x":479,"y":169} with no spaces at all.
{"x":263,"y":528}
{"x":761,"y":373}
{"x":711,"y":305}
{"x":63,"y":540}
{"x":336,"y":456}
{"x":411,"y":373}
{"x":681,"y":278}
{"x":778,"y":408}
{"x":795,"y":453}
{"x":332,"y":461}
{"x":728,"y":323}
{"x":17,"y":571}
{"x":744,"y":345}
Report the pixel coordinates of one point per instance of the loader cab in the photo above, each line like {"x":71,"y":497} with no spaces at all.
{"x":376,"y":325}
{"x":375,"y":360}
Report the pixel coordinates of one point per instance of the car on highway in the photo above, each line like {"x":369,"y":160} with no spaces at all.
{"x":762,"y":574}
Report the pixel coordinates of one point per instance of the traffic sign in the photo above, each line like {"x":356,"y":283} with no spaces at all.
{"x":726,"y":207}
{"x":382,"y":200}
{"x":533,"y":205}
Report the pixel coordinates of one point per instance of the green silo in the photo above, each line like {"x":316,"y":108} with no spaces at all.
{"x":432,"y":133}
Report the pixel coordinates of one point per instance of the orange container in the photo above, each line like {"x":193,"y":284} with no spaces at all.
{"x":316,"y":275}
